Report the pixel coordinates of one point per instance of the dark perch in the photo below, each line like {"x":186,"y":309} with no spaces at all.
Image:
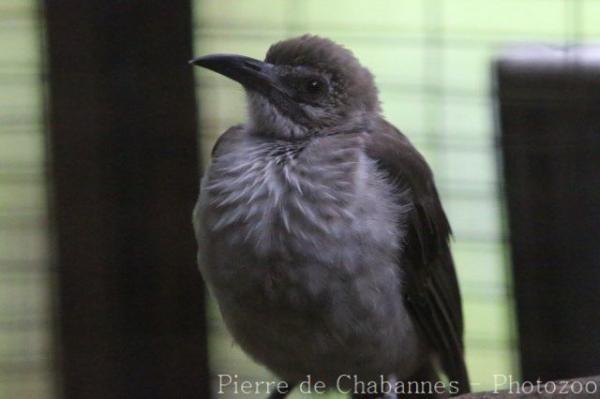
{"x":550,"y":125}
{"x":564,"y":389}
{"x":282,"y":395}
{"x":122,"y":119}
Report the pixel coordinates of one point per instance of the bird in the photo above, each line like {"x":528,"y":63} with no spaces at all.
{"x":321,"y":233}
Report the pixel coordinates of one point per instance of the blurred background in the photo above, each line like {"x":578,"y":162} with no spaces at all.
{"x":103,"y":133}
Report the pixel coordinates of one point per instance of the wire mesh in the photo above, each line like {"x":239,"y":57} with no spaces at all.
{"x":24,"y":274}
{"x":431,"y":59}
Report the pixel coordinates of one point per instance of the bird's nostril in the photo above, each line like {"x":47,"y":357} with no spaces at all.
{"x":252,"y":65}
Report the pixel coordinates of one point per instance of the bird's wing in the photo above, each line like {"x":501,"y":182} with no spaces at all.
{"x":222,"y":145}
{"x":431,"y":289}
{"x":230,"y":135}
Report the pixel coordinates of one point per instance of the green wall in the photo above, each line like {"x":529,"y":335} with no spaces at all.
{"x":431,"y":59}
{"x":25,"y":341}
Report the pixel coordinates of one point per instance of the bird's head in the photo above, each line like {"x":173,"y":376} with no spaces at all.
{"x":305,"y":86}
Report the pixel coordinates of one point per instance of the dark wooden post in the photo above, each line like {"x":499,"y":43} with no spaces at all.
{"x":550,"y":123}
{"x":124,"y":175}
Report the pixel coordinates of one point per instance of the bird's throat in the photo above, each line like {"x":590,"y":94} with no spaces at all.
{"x":272,"y":120}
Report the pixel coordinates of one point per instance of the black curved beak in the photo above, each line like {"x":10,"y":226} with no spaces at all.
{"x":252,"y":74}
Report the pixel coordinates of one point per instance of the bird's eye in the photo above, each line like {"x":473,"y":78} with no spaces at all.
{"x":314,"y":86}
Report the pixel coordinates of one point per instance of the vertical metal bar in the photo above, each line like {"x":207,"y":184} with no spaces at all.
{"x":124,"y":168}
{"x":550,"y":138}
